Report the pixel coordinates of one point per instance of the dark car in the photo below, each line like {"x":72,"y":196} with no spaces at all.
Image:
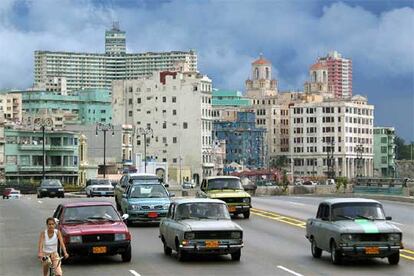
{"x":50,"y":188}
{"x":93,"y":228}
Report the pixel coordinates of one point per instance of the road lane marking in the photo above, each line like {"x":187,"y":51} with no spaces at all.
{"x":407,"y":257}
{"x":40,"y":201}
{"x":296,"y":203}
{"x":408,"y":251}
{"x":288,"y":270}
{"x":133,"y":272}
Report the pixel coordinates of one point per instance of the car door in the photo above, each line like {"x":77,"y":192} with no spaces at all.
{"x":166,"y":224}
{"x":324,"y":229}
{"x":124,"y":200}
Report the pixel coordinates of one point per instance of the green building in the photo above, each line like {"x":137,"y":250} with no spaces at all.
{"x":229,"y":98}
{"x":24,"y":155}
{"x":384,"y":151}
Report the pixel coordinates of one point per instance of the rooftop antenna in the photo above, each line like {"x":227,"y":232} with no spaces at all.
{"x":115,"y":25}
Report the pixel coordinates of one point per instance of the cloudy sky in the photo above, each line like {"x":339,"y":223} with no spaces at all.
{"x":378,"y":35}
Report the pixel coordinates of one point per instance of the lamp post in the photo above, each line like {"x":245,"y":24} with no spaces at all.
{"x":144,"y":132}
{"x":359,"y":150}
{"x":43,"y":123}
{"x":104,"y":128}
{"x":330,"y":149}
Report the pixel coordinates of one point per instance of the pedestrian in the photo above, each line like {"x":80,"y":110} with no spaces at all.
{"x":48,"y":246}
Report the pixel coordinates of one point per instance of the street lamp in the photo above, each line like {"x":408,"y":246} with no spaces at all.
{"x":144,"y":132}
{"x":104,"y":128}
{"x":359,"y":150}
{"x":42,"y":123}
{"x":330,"y":161}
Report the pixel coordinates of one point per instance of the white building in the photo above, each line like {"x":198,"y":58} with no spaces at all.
{"x":11,"y":106}
{"x":53,"y":84}
{"x":315,"y":124}
{"x":176,"y":105}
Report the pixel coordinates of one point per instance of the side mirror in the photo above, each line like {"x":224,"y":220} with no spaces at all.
{"x":56,"y":221}
{"x":124,"y":195}
{"x":172,"y":195}
{"x":388,"y":218}
{"x":125,"y":216}
{"x":166,"y":185}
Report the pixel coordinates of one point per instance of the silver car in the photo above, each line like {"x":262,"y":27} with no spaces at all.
{"x":200,"y":226}
{"x":353,"y":227}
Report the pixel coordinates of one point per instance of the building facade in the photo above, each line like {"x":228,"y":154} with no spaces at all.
{"x":332,"y":135}
{"x":2,"y":144}
{"x":384,"y":152}
{"x":245,"y":143}
{"x":11,"y":106}
{"x":24,"y":155}
{"x":95,"y":70}
{"x":227,"y":103}
{"x":176,"y":106}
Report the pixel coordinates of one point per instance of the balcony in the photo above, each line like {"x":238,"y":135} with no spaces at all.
{"x":33,"y":146}
{"x":63,"y":148}
{"x":48,"y":168}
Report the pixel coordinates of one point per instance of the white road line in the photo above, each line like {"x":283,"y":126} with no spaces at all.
{"x":296,"y":203}
{"x":40,"y":201}
{"x":134,"y":273}
{"x":288,"y":270}
{"x":396,"y":223}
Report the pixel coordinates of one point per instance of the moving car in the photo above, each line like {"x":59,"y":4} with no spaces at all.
{"x":15,"y":194}
{"x":6,"y":192}
{"x":50,"y":188}
{"x":188,"y":185}
{"x":99,"y":187}
{"x":353,"y":227}
{"x":230,"y":190}
{"x":93,"y":228}
{"x":200,"y":226}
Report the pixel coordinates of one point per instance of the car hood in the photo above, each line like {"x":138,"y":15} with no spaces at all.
{"x":210,"y":225}
{"x":149,"y":201}
{"x":94,"y":228}
{"x":227,"y":193}
{"x":367,"y":226}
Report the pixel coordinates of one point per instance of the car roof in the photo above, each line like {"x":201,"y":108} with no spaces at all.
{"x":87,"y":203}
{"x":332,"y":201}
{"x":222,"y":177}
{"x":197,"y":200}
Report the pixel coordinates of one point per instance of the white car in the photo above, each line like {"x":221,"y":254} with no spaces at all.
{"x":15,"y":194}
{"x":99,"y":187}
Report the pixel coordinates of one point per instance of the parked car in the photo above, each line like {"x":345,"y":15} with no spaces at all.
{"x":353,"y":227}
{"x":309,"y":183}
{"x":6,"y":192}
{"x":50,"y":188}
{"x":188,"y":185}
{"x":230,"y":190}
{"x":99,"y":187}
{"x":93,"y":228}
{"x":15,"y":194}
{"x":200,"y":226}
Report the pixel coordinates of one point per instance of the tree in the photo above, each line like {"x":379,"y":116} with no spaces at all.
{"x":399,"y":147}
{"x":279,"y":162}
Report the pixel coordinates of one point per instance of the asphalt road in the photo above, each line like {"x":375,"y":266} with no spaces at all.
{"x":274,"y":244}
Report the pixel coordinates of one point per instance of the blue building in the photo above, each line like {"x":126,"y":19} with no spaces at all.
{"x":245,"y":142}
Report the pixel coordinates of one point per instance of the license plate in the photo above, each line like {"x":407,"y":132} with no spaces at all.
{"x":52,"y":193}
{"x":212,"y":244}
{"x":152,"y":214}
{"x":371,"y":250}
{"x":99,"y":249}
{"x":232,"y":209}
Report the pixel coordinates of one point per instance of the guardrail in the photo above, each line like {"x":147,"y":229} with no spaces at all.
{"x":385,"y":186}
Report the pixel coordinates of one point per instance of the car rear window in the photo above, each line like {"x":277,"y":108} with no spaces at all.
{"x":51,"y":183}
{"x":224,"y":183}
{"x":90,"y":213}
{"x":148,"y":191}
{"x":100,"y":182}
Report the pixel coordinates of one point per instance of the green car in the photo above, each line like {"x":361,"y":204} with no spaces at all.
{"x":230,"y":190}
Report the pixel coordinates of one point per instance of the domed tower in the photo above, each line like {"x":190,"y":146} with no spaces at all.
{"x":261,"y":83}
{"x":318,"y":83}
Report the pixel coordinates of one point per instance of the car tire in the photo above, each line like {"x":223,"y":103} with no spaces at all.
{"x":167,"y":250}
{"x":236,"y":255}
{"x":394,"y":259}
{"x":246,"y":215}
{"x":63,"y":196}
{"x":126,"y":256}
{"x":39,"y":196}
{"x":336,"y":257}
{"x":316,"y":251}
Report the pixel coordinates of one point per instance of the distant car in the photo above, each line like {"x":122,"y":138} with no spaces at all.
{"x":99,"y":187}
{"x":309,"y":183}
{"x":200,"y":226}
{"x":353,"y":227}
{"x":93,"y":228}
{"x":6,"y":192}
{"x":188,"y":185}
{"x":15,"y":194}
{"x":50,"y":188}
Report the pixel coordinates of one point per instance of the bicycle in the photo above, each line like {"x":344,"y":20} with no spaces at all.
{"x":49,"y":262}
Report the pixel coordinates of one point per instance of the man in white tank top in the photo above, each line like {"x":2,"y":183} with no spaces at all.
{"x":48,"y":246}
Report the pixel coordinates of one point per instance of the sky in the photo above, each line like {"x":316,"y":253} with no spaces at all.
{"x":378,"y":35}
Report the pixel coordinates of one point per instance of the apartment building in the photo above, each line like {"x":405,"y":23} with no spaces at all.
{"x":227,"y":103}
{"x":384,"y":151}
{"x":11,"y":106}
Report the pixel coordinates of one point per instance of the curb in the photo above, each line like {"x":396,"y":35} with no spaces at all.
{"x":370,"y":196}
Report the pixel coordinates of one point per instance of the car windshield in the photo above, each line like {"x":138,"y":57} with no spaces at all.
{"x":51,"y":183}
{"x":224,"y":183}
{"x":344,"y":211}
{"x":148,"y":191}
{"x":14,"y":192}
{"x":202,"y":210}
{"x":100,"y":182}
{"x":144,"y":181}
{"x":90,"y":213}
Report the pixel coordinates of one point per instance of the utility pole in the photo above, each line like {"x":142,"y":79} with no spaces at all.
{"x":42,"y":123}
{"x":144,"y":132}
{"x":104,"y":128}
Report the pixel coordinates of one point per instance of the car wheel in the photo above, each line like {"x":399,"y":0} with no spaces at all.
{"x":39,"y":196}
{"x":316,"y":251}
{"x":236,"y":255}
{"x":167,"y":250}
{"x":63,"y":196}
{"x":336,"y":257}
{"x":246,"y":215}
{"x":394,"y":259}
{"x":126,"y":256}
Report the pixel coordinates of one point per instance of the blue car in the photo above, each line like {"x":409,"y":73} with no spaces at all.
{"x":146,"y":202}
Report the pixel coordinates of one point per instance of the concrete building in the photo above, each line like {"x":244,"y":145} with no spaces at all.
{"x":53,"y":84}
{"x":11,"y":106}
{"x":176,"y":105}
{"x":314,"y":125}
{"x":384,"y":152}
{"x":227,"y":103}
{"x":245,"y":144}
{"x":24,"y":155}
{"x":2,"y":143}
{"x":86,"y":170}
{"x":98,"y":70}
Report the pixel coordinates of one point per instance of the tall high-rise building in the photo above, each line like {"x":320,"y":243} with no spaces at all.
{"x":339,"y":75}
{"x":98,"y":70}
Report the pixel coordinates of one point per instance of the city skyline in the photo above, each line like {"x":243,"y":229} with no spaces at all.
{"x":227,"y":45}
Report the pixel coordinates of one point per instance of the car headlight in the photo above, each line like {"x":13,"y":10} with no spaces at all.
{"x":166,"y":206}
{"x":134,"y":206}
{"x":246,"y":200}
{"x":236,"y":235}
{"x":44,"y":190}
{"x":120,"y":237}
{"x":395,"y":237}
{"x":189,"y":235}
{"x":60,"y":189}
{"x":75,"y":239}
{"x":349,"y":237}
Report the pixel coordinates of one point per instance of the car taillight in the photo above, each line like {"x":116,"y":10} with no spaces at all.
{"x":128,"y":236}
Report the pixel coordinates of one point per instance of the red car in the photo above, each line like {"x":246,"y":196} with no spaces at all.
{"x":93,"y":228}
{"x":7,"y":192}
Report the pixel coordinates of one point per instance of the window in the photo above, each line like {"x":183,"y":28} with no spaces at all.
{"x":383,"y":140}
{"x":129,"y":101}
{"x":174,"y":112}
{"x":164,"y":99}
{"x":139,"y":100}
{"x":383,"y":149}
{"x":11,"y":159}
{"x":130,"y":113}
{"x":174,"y":140}
{"x":185,"y":125}
{"x":174,"y":99}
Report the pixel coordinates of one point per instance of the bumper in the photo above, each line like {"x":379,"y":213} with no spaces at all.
{"x":51,"y":194}
{"x":112,"y":248}
{"x":140,"y":216}
{"x":220,"y":250}
{"x":102,"y":193}
{"x":360,"y":251}
{"x":238,"y":209}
